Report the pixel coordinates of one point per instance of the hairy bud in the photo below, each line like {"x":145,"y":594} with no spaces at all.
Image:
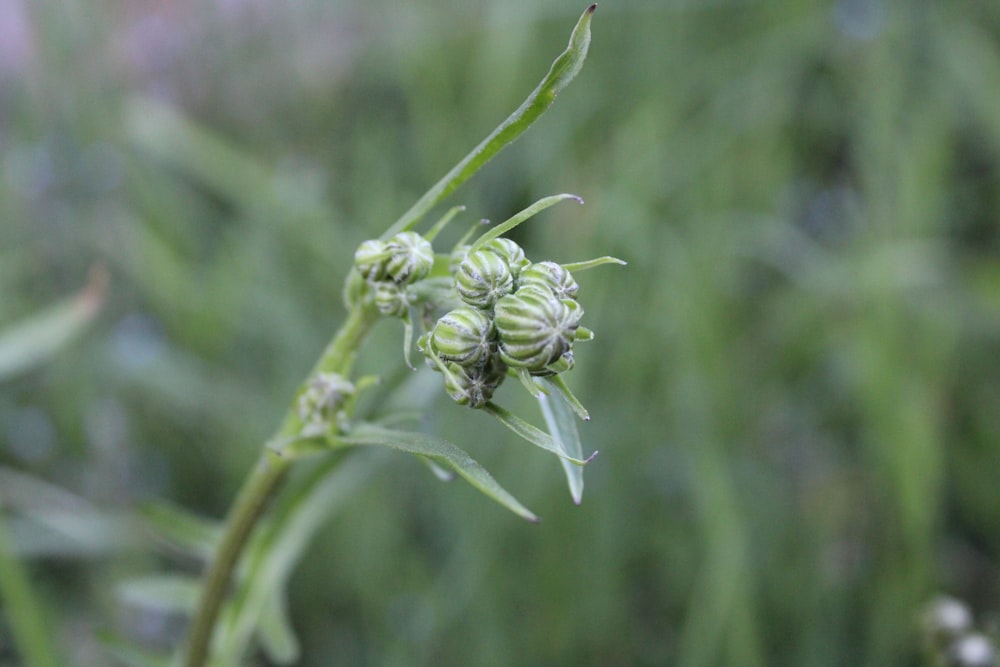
{"x":473,"y":385}
{"x":410,"y":259}
{"x":482,"y":278}
{"x":535,"y":327}
{"x":320,"y":406}
{"x":551,"y":276}
{"x":390,"y":299}
{"x":510,"y":252}
{"x":464,"y":336}
{"x":370,"y":259}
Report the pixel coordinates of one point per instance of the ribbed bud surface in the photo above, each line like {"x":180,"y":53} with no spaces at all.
{"x":482,"y":278}
{"x":552,"y":276}
{"x":370,"y":259}
{"x":464,"y":336}
{"x":390,"y":299}
{"x":473,"y":385}
{"x":510,"y":252}
{"x":411,"y":258}
{"x":535,"y":327}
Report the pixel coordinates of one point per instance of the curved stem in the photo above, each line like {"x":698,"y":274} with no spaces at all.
{"x":249,"y":506}
{"x":259,"y":487}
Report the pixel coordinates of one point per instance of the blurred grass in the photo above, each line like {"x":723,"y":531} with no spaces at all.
{"x":794,"y":383}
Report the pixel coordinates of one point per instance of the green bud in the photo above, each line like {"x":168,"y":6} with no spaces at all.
{"x":464,"y":336}
{"x":410,"y":259}
{"x":390,"y":299}
{"x":370,"y":259}
{"x":320,"y":406}
{"x":535,"y":327}
{"x":482,"y":278}
{"x":473,"y":385}
{"x":510,"y":252}
{"x":551,"y":276}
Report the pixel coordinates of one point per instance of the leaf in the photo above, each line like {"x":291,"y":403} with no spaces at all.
{"x":191,"y":534}
{"x":521,"y":216}
{"x":162,"y":593}
{"x":533,"y":435}
{"x":561,"y":423}
{"x":275,"y":631}
{"x":441,"y":473}
{"x":442,"y":222}
{"x":54,"y":522}
{"x":31,"y":342}
{"x":307,"y":502}
{"x":556,"y":382}
{"x":576,"y":267}
{"x":443,"y":452}
{"x":563,"y":70}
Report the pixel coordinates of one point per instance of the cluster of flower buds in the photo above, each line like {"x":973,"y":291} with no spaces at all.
{"x":516,"y":316}
{"x":390,"y":266}
{"x":322,"y":405}
{"x":508,"y":315}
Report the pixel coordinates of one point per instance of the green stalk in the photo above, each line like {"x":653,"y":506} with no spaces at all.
{"x":563,"y":70}
{"x":24,"y":610}
{"x":260,"y":486}
{"x":339,"y":355}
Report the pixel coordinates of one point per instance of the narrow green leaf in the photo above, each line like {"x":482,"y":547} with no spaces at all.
{"x":563,"y":70}
{"x":442,"y":222}
{"x":561,"y":423}
{"x":278,"y":545}
{"x":532,"y":434}
{"x":441,"y":473}
{"x":524,"y":376}
{"x":568,"y":64}
{"x":162,"y":593}
{"x":521,"y":216}
{"x":275,"y":631}
{"x":29,"y":343}
{"x":443,"y":452}
{"x":51,"y":521}
{"x":576,"y":267}
{"x":182,"y":530}
{"x":561,"y":388}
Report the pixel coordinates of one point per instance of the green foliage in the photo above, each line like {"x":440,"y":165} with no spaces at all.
{"x":793,"y":386}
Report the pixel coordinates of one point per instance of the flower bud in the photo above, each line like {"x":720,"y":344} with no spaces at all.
{"x":464,"y":336}
{"x":535,"y":327}
{"x":320,"y":406}
{"x":473,"y":385}
{"x":411,"y":258}
{"x":510,"y":252}
{"x":482,"y":278}
{"x":370,"y":259}
{"x":552,"y":276}
{"x":390,"y":299}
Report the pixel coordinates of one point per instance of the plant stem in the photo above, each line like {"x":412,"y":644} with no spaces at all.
{"x":258,"y":488}
{"x":24,"y":610}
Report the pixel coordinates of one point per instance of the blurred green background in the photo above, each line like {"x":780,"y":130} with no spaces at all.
{"x":795,"y":385}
